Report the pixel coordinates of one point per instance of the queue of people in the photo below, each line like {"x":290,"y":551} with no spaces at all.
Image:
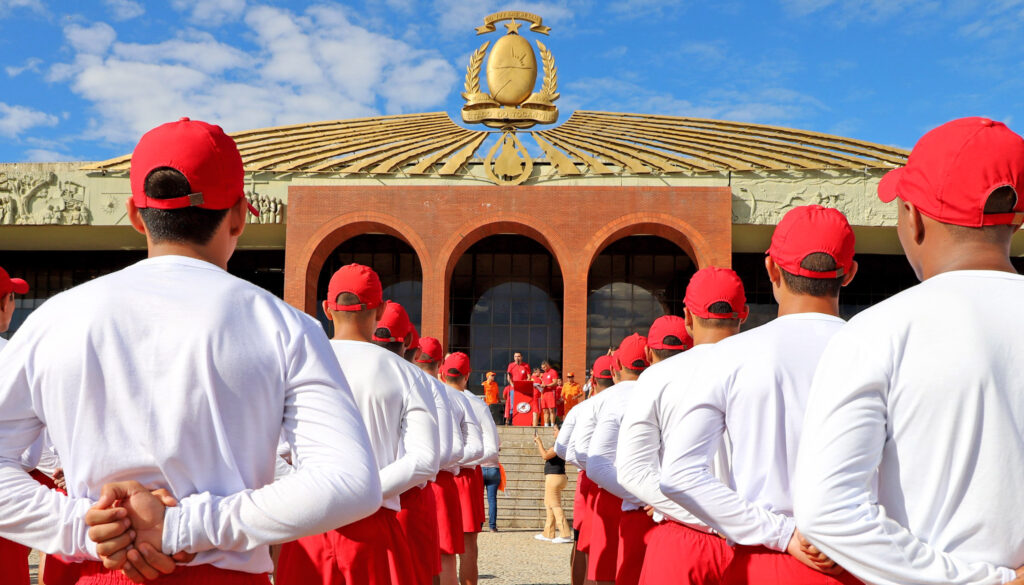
{"x":200,"y":421}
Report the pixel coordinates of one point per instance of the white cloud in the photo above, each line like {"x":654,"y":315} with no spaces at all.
{"x":91,"y":40}
{"x":9,"y":5}
{"x":45,"y":155}
{"x":212,"y":13}
{"x":316,"y":65}
{"x":16,"y":119}
{"x":459,"y":16}
{"x":124,"y":9}
{"x":845,"y":11}
{"x":31,"y":64}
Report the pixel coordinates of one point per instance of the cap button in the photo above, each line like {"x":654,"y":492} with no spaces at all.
{"x":184,"y":119}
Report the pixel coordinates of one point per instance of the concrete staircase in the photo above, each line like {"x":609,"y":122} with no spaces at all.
{"x":521,"y":505}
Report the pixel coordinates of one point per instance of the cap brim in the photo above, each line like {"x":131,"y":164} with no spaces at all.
{"x":888,"y":187}
{"x":19,"y":286}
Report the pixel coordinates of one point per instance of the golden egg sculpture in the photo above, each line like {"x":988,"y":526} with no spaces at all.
{"x":511,"y":70}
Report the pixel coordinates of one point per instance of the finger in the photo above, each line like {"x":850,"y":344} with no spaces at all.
{"x":133,"y":574}
{"x":157,"y":559}
{"x":140,"y":564}
{"x":165,"y":497}
{"x":109,"y":546}
{"x":96,"y":516}
{"x":183,"y":557}
{"x":112,"y":492}
{"x":115,"y":561}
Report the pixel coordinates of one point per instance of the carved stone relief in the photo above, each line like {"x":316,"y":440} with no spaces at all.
{"x":41,"y":199}
{"x":271,"y":208}
{"x":764,"y":199}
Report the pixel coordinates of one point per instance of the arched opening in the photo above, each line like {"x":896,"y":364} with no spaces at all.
{"x":505,"y":296}
{"x":394,"y":261}
{"x":632,"y":282}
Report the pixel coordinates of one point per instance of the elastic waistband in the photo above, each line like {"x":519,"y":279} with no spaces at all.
{"x":695,"y":527}
{"x":93,"y":573}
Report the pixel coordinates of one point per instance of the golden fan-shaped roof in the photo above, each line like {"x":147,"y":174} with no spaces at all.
{"x":589,"y":143}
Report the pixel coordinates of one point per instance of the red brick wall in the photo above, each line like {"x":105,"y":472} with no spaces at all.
{"x":441,"y":223}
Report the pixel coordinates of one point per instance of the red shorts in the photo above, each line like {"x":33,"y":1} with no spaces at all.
{"x":635,"y":528}
{"x":469,"y":492}
{"x":372,"y":551}
{"x":57,"y":571}
{"x":547,"y":400}
{"x":418,"y":520}
{"x":761,"y":565}
{"x":589,"y":492}
{"x":449,"y":514}
{"x":13,"y":562}
{"x":678,"y":553}
{"x":578,"y":501}
{"x":604,"y":537}
{"x":478,"y":479}
{"x":93,"y":573}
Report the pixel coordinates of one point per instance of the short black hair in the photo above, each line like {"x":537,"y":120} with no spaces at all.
{"x":604,"y":382}
{"x":815,"y":287}
{"x":714,"y":323}
{"x":192,"y":225}
{"x":1001,"y":200}
{"x":664,"y":354}
{"x":395,"y":347}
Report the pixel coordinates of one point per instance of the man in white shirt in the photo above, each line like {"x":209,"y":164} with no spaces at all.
{"x":452,"y":517}
{"x":181,"y":376}
{"x":13,"y":556}
{"x":419,"y":515}
{"x":565,"y":448}
{"x":910,"y":464}
{"x":755,"y":386}
{"x":681,"y":547}
{"x":398,"y":411}
{"x":628,"y":529}
{"x":470,"y":483}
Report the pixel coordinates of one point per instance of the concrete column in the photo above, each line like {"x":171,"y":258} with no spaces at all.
{"x":574,"y":322}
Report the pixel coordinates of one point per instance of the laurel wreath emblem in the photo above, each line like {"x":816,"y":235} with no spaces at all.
{"x":550,"y":88}
{"x":473,"y":70}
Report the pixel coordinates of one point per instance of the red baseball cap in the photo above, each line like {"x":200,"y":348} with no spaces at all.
{"x":669,"y":326}
{"x":356,"y":279}
{"x":811,"y":229}
{"x":955,"y":167}
{"x":631,"y":353}
{"x":430,"y":351}
{"x":456,"y":361}
{"x":396,"y":321}
{"x":604,"y":364}
{"x":10,"y":285}
{"x":202,"y":152}
{"x":711,"y":285}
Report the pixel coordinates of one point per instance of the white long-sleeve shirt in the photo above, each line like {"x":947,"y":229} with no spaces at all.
{"x":586,"y":421}
{"x":922,"y":392}
{"x":398,"y":410}
{"x":176,"y":374}
{"x":488,"y":430}
{"x":605,"y":440}
{"x":650,"y":420}
{"x":469,"y":428}
{"x":448,"y":435}
{"x":564,"y":442}
{"x":754,"y":385}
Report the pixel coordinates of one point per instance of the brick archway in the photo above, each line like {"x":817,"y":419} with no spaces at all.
{"x":337,"y":231}
{"x":663,"y":225}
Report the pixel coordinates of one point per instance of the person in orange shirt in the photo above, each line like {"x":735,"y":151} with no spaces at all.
{"x":490,"y":389}
{"x":572,"y":393}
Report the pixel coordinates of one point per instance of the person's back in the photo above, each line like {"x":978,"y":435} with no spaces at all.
{"x":176,"y":374}
{"x":912,"y":454}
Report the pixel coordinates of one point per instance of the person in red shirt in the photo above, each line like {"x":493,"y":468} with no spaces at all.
{"x":549,"y":386}
{"x":517,"y":371}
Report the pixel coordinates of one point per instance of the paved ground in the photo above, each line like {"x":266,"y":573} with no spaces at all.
{"x":506,"y":558}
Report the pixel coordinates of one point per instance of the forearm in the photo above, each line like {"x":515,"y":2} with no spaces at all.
{"x":41,"y":518}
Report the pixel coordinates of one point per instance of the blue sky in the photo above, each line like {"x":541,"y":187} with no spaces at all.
{"x":82,"y":80}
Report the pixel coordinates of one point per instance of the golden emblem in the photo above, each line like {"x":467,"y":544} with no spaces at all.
{"x":511,"y":104}
{"x":511,"y":77}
